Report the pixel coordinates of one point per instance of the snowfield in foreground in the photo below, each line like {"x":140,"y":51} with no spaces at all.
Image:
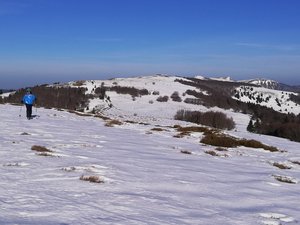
{"x":144,"y":177}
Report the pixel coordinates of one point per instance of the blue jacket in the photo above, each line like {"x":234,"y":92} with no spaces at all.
{"x":29,"y":99}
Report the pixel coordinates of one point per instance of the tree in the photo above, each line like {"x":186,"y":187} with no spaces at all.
{"x":250,"y":126}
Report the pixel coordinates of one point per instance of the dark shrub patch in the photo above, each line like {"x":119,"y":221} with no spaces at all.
{"x":220,"y":140}
{"x":92,"y":179}
{"x":175,"y":97}
{"x":40,"y":148}
{"x":281,"y":166}
{"x":186,"y":152}
{"x":232,"y":142}
{"x":213,"y":119}
{"x":162,"y":99}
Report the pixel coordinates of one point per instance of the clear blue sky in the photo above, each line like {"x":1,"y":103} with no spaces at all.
{"x":44,"y":41}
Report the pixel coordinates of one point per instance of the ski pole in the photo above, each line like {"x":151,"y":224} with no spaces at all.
{"x":20,"y":111}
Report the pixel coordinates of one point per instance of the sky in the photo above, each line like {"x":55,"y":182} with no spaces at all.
{"x":46,"y":41}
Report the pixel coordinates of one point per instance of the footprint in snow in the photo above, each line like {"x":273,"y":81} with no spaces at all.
{"x":276,"y":218}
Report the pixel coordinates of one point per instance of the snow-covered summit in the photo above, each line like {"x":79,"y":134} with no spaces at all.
{"x":262,"y":82}
{"x":227,"y":78}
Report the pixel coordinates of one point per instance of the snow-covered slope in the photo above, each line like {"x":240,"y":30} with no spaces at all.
{"x":277,"y":100}
{"x":147,"y":107}
{"x":147,"y":180}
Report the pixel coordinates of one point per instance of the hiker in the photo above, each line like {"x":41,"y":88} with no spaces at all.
{"x":28,"y":100}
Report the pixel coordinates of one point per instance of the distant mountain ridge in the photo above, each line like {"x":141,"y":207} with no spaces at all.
{"x":272,"y":84}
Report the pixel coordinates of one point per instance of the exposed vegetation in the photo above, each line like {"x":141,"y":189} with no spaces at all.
{"x":281,"y":166}
{"x":54,"y":97}
{"x":270,"y":122}
{"x":227,"y":141}
{"x":285,"y":179}
{"x":175,"y":97}
{"x":157,"y":129}
{"x":217,"y":120}
{"x":162,"y":98}
{"x":186,"y":152}
{"x":295,"y":162}
{"x":92,"y":179}
{"x":211,"y":152}
{"x":112,"y":123}
{"x":40,"y":148}
{"x":134,"y":92}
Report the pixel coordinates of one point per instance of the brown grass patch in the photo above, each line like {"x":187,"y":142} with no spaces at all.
{"x":112,"y":123}
{"x":40,"y":148}
{"x":130,"y":121}
{"x":257,"y":144}
{"x":186,"y":152}
{"x":92,"y":179}
{"x":157,"y":129}
{"x":211,"y":152}
{"x":285,"y":179}
{"x":296,"y":162}
{"x":281,"y":166}
{"x":227,"y":141}
{"x":190,"y":129}
{"x":47,"y":154}
{"x":220,"y":140}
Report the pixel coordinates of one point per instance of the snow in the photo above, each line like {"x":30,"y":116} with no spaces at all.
{"x":277,"y":100}
{"x":6,"y":94}
{"x":147,"y":180}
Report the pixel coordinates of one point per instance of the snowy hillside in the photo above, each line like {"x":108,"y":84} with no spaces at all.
{"x":143,"y":108}
{"x":277,"y":100}
{"x":266,"y":83}
{"x":143,"y":176}
{"x":147,"y":107}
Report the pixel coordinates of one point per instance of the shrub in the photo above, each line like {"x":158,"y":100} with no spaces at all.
{"x":112,"y":123}
{"x":46,"y":154}
{"x":134,"y":92}
{"x":157,"y":129}
{"x":175,"y":97}
{"x":211,"y":152}
{"x":100,"y":91}
{"x":190,"y":129}
{"x":295,"y":162}
{"x":281,"y":166}
{"x":92,"y":179}
{"x":222,"y":140}
{"x":213,"y":119}
{"x":285,"y":179}
{"x":186,"y":152}
{"x":162,"y":99}
{"x":40,"y":148}
{"x":72,"y":98}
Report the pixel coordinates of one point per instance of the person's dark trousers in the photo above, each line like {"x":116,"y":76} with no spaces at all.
{"x":28,"y":111}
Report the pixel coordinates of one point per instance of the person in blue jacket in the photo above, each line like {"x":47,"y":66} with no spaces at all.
{"x":29,"y":100}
